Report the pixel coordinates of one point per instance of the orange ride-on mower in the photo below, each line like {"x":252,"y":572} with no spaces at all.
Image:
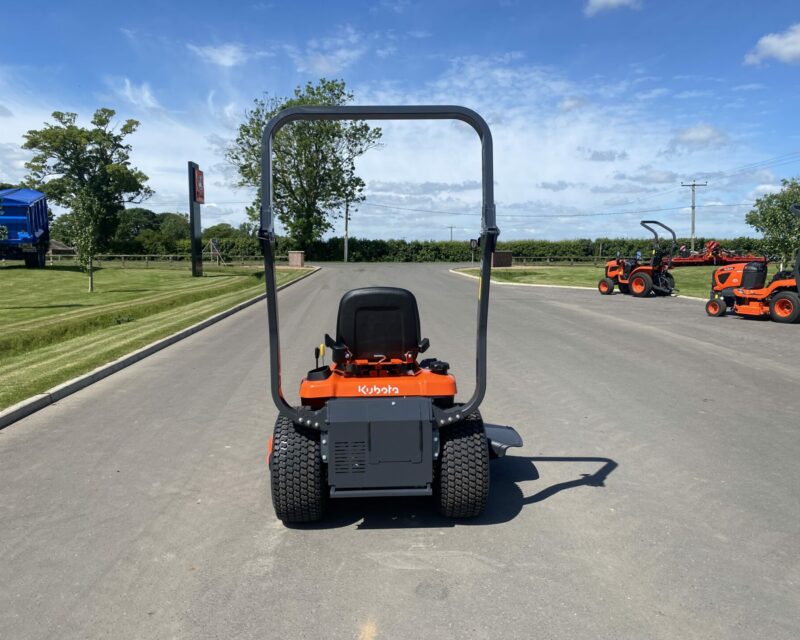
{"x":378,"y":422}
{"x":633,"y":276}
{"x":741,"y":287}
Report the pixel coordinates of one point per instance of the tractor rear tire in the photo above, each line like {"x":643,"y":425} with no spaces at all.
{"x":785,"y":307}
{"x":606,"y":286}
{"x":641,"y":285}
{"x":296,"y":473}
{"x":716,"y":307}
{"x":462,"y":478}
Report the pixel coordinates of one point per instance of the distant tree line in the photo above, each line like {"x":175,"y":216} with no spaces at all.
{"x":141,"y":231}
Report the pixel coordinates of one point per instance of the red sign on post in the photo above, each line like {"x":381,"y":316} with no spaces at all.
{"x":199,"y":189}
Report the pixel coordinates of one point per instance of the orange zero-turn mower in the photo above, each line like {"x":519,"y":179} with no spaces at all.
{"x":741,"y":288}
{"x":638,"y":278}
{"x":378,"y":421}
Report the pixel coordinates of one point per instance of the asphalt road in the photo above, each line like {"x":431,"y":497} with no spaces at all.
{"x":657,"y":495}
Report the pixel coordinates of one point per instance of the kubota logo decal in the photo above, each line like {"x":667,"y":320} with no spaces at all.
{"x":376,"y":390}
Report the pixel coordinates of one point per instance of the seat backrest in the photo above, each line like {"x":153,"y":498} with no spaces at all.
{"x":379,"y":321}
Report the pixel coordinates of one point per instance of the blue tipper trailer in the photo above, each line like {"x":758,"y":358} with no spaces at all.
{"x":23,"y":213}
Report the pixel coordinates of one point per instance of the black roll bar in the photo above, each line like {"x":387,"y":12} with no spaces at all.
{"x":795,"y":209}
{"x":488,"y":238}
{"x":646,"y":224}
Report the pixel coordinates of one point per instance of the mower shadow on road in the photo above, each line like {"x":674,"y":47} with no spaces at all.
{"x":506,"y":499}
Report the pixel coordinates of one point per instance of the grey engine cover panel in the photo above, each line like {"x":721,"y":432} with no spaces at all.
{"x":380,"y":442}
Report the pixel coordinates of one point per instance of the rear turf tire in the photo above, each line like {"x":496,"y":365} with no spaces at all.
{"x":641,"y":285}
{"x":716,"y":307}
{"x":606,"y":286}
{"x":296,"y":473}
{"x":785,"y":307}
{"x":462,"y":485}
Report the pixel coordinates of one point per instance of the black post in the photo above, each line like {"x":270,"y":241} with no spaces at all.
{"x":194,"y":217}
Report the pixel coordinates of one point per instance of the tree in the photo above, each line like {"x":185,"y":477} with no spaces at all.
{"x":133,"y":221}
{"x":313,"y":163}
{"x":219,"y":232}
{"x":771,"y":216}
{"x":87,"y":170}
{"x":61,"y":228}
{"x":3,"y":232}
{"x":85,"y":227}
{"x":174,"y":227}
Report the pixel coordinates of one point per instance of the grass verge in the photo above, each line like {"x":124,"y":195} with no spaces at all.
{"x":690,"y":281}
{"x":52,"y":346}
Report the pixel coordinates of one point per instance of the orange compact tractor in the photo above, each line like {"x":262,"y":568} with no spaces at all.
{"x":741,"y":287}
{"x":377,"y":421}
{"x":639,"y":278}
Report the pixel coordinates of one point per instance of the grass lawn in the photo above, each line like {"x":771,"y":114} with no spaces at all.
{"x":690,"y":281}
{"x":53,"y":330}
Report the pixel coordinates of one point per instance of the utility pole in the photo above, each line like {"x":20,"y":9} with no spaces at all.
{"x":346,"y":221}
{"x":451,"y":232}
{"x":694,"y":184}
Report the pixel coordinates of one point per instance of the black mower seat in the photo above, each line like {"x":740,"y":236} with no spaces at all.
{"x":379,"y":321}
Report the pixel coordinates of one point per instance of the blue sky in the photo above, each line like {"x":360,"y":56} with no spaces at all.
{"x":597,"y":106}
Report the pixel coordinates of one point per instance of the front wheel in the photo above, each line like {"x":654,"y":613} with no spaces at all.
{"x":606,"y":286}
{"x":296,"y":473}
{"x":462,"y":484}
{"x":716,"y":307}
{"x":785,"y":307}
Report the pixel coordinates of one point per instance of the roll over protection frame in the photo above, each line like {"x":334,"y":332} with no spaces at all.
{"x":488,"y":239}
{"x":646,"y":224}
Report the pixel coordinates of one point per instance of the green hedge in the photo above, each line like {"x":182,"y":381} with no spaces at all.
{"x":363,"y":250}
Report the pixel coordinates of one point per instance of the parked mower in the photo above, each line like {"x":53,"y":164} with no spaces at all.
{"x":377,"y":421}
{"x":741,"y":288}
{"x":642,"y":279}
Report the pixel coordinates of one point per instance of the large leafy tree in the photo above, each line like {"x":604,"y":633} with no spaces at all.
{"x":133,"y":221}
{"x":770,"y":215}
{"x":313,"y":164}
{"x":88,"y":170}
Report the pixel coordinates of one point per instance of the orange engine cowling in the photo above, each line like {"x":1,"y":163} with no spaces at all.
{"x":728,"y":276}
{"x":750,"y":275}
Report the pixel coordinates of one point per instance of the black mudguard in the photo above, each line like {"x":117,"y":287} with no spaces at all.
{"x":501,"y":439}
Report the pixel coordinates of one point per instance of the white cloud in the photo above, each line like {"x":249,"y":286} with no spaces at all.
{"x":224,"y":55}
{"x":753,"y":86}
{"x":603,"y":155}
{"x":763,"y":189}
{"x":140,"y":96}
{"x":784,"y":47}
{"x":5,"y":112}
{"x":571,"y":103}
{"x":328,"y":56}
{"x":385,"y":52}
{"x":683,"y":95}
{"x":659,"y":92}
{"x":650,"y":176}
{"x":699,"y":136}
{"x":594,"y":7}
